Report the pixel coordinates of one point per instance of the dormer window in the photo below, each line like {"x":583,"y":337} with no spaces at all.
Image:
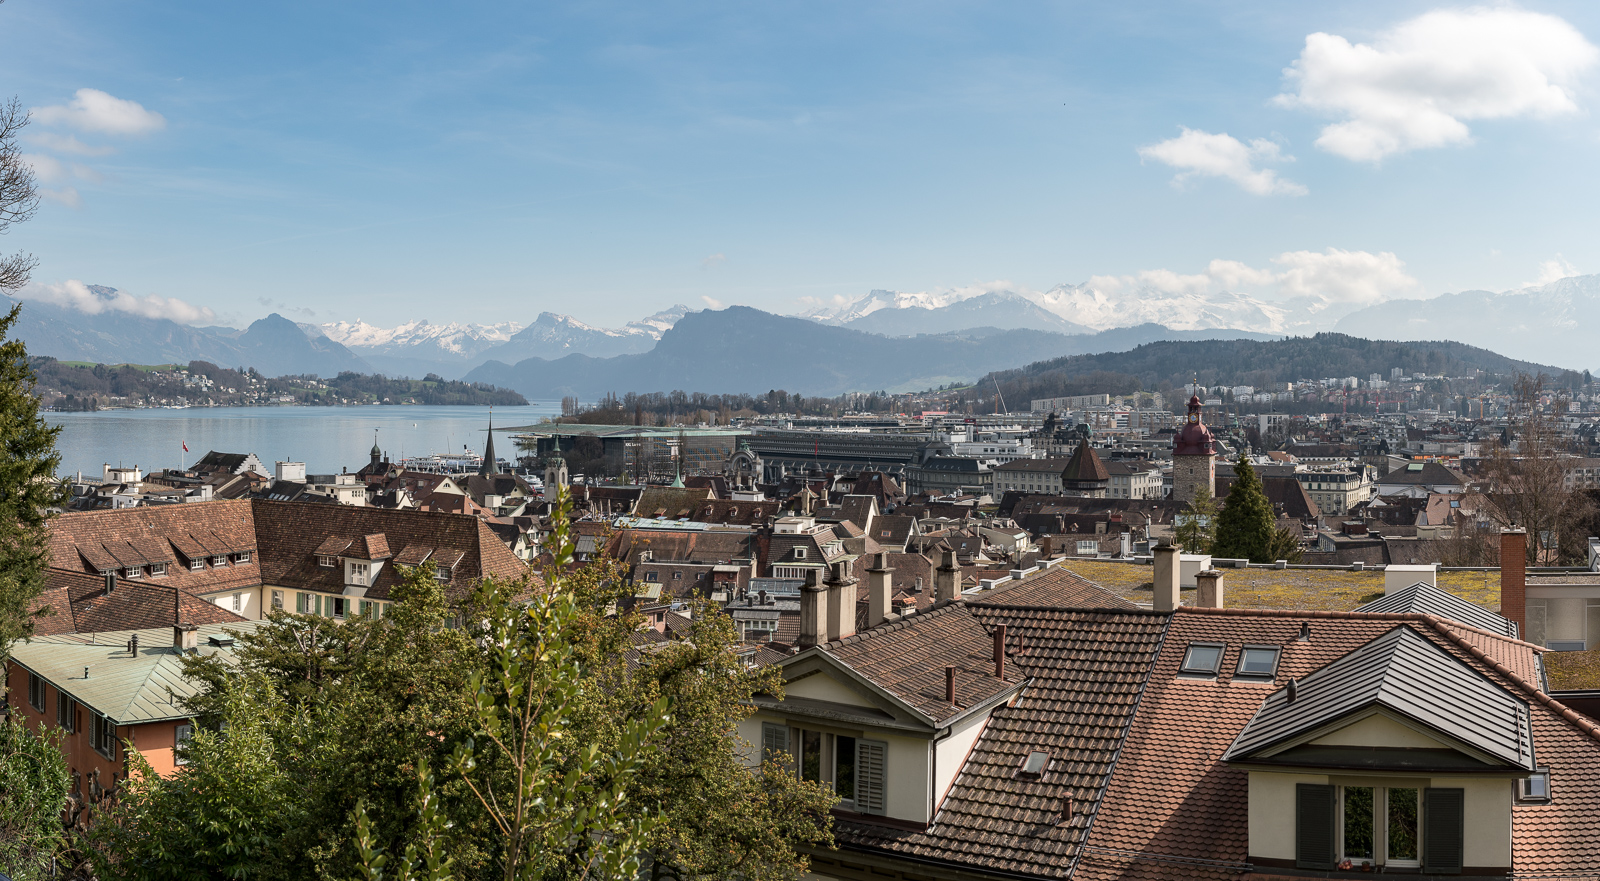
{"x":219,"y":561}
{"x":357,"y":573}
{"x":1202,"y":659}
{"x":158,"y":568}
{"x":197,"y":565}
{"x":328,"y":562}
{"x":242,"y":557}
{"x":799,"y":553}
{"x":133,"y":572}
{"x":441,"y":574}
{"x":1534,"y":789}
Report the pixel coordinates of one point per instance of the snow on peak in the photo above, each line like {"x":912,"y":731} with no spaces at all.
{"x":458,"y":338}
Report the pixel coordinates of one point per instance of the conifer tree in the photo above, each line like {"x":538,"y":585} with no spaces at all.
{"x":1245,"y":526}
{"x":1198,"y":530}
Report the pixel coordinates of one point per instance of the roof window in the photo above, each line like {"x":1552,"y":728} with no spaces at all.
{"x":1035,"y":765}
{"x":1257,"y":662}
{"x":1534,"y":789}
{"x":1202,"y":659}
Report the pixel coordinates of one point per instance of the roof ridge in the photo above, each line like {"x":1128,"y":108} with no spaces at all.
{"x":1573,"y":717}
{"x":1028,"y":607}
{"x":905,"y":622}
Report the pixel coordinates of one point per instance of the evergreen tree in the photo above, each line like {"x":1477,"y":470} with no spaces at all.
{"x":29,"y":489}
{"x":1198,"y":530}
{"x":1245,"y":526}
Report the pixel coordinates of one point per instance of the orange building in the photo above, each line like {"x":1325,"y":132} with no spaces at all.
{"x":105,"y":690}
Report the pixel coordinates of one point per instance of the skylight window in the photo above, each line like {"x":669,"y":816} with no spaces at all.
{"x":1037,"y":761}
{"x":1202,"y":658}
{"x":1535,"y":788}
{"x":1257,"y":662}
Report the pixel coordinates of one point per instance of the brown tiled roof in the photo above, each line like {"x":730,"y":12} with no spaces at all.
{"x":672,"y":503}
{"x":1085,"y":465}
{"x":333,"y":546}
{"x":79,"y":542}
{"x":79,"y":604}
{"x":907,"y":659}
{"x":413,"y":555}
{"x":743,"y":513}
{"x":290,"y":535}
{"x":1086,"y":670}
{"x":1055,"y":588}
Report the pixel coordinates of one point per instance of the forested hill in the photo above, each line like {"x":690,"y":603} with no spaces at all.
{"x":69,"y":385}
{"x":1170,"y":364}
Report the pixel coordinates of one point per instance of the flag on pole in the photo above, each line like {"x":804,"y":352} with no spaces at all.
{"x":185,"y":446}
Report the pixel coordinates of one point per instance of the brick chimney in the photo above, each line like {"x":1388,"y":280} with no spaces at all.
{"x":1514,"y":578}
{"x":841,"y":601}
{"x":1209,"y":592}
{"x":947,"y":580}
{"x":1000,"y":651}
{"x":813,"y":616}
{"x":1166,"y":578}
{"x":880,"y":591}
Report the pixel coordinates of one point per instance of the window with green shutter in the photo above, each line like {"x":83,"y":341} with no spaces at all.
{"x":1443,"y":831}
{"x":1314,"y":813}
{"x":300,"y":602}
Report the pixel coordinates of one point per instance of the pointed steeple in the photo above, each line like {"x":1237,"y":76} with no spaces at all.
{"x":489,"y":468}
{"x":377,"y":454}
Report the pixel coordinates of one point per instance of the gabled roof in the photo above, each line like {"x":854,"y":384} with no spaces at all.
{"x":1408,"y":675}
{"x":1425,"y":599}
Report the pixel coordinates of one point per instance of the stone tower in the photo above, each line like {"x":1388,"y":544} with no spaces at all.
{"x":555,"y":473}
{"x":1194,"y":462}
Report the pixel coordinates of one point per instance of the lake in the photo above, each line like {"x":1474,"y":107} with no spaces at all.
{"x":327,"y":439}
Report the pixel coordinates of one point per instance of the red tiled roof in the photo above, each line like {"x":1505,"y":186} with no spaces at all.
{"x":1055,"y":588}
{"x":79,"y":542}
{"x":79,"y":604}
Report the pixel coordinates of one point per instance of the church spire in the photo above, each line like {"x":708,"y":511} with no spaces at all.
{"x":489,"y":467}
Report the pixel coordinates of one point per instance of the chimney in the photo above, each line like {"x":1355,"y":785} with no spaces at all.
{"x":1514,"y":578}
{"x":947,"y":580}
{"x":841,"y":601}
{"x":1000,"y":651}
{"x":1209,"y":589}
{"x":813,"y":617}
{"x":949,"y":683}
{"x":1047,"y":547}
{"x":185,"y":637}
{"x":1166,"y":578}
{"x":880,"y":591}
{"x":111,"y":581}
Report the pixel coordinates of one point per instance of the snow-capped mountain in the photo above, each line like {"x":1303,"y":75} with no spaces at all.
{"x":553,"y":336}
{"x":416,"y":337}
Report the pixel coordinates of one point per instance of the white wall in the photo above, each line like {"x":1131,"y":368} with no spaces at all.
{"x":822,"y":687}
{"x":1488,"y":819}
{"x":951,"y":754}
{"x":249,"y":602}
{"x":1380,"y":731}
{"x":1272,"y":812}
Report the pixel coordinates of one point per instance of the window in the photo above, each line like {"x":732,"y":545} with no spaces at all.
{"x":197,"y":565}
{"x":1398,"y":827}
{"x":799,"y":553}
{"x":66,"y":712}
{"x":238,"y":602}
{"x":811,"y":755}
{"x":158,"y":568}
{"x":242,"y":557}
{"x":327,"y":562}
{"x":651,"y":576}
{"x":357,"y":573}
{"x":180,"y":742}
{"x":219,"y":561}
{"x":677,"y":576}
{"x":1534,"y":789}
{"x":1202,"y":659}
{"x":337,"y":606}
{"x":1257,"y":662}
{"x":277,"y":600}
{"x":103,"y":736}
{"x":1035,"y":764}
{"x":441,"y":574}
{"x":36,"y":692}
{"x":133,"y":572}
{"x":774,"y":740}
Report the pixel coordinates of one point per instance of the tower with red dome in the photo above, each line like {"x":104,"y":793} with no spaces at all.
{"x":1194,"y":462}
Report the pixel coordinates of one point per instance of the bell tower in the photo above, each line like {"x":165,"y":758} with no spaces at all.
{"x":555,"y":473}
{"x":1194,"y":462}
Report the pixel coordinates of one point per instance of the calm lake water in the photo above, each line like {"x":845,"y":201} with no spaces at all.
{"x":325,"y":438}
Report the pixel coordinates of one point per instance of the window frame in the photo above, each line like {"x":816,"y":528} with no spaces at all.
{"x":1523,"y":786}
{"x":327,"y":561}
{"x":1184,"y":668}
{"x":181,"y":735}
{"x":197,"y":565}
{"x":219,"y":561}
{"x":103,"y":736}
{"x":1240,"y":673}
{"x":66,"y":712}
{"x":242,"y":557}
{"x":158,"y":570}
{"x":36,"y":688}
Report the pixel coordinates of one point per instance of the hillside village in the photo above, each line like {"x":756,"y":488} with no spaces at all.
{"x":992,"y":649}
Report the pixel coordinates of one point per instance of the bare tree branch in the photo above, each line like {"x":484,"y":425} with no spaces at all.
{"x":19,"y":193}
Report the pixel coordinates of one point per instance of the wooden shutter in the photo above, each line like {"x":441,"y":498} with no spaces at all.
{"x":64,"y":711}
{"x":1314,"y":813}
{"x":1443,"y":830}
{"x":871,"y":779}
{"x":774,"y":740}
{"x":300,"y":602}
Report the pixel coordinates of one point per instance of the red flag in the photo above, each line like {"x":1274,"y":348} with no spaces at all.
{"x":185,"y":446}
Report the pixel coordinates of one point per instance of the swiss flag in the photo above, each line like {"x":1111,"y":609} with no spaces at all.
{"x":185,"y":446}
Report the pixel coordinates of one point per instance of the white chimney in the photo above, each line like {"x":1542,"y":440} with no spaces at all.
{"x":1166,"y":578}
{"x":813,"y":617}
{"x":947,"y":580}
{"x":841,"y":602}
{"x":880,"y":591}
{"x":1208,"y":592}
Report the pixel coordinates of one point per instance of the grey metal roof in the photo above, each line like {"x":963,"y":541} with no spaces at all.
{"x":1408,"y":675}
{"x":127,"y":689}
{"x":1424,"y":598}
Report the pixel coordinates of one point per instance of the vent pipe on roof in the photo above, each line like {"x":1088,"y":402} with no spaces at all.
{"x":86,"y":672}
{"x":1000,"y":651}
{"x":949,"y":683}
{"x":133,"y":645}
{"x":1294,"y":689}
{"x":1305,"y":632}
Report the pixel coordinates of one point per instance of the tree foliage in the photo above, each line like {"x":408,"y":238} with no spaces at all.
{"x":1245,"y":526}
{"x":1198,"y":529}
{"x":33,"y":787}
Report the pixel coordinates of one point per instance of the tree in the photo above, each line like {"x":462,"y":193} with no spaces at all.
{"x":34,"y":780}
{"x":1245,"y":525}
{"x":1199,"y":527}
{"x":28,"y":458}
{"x":1526,"y":480}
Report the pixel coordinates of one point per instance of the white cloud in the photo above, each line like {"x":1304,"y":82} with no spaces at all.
{"x":77,"y":296}
{"x":1554,"y":269}
{"x":92,"y":110}
{"x":51,"y":170}
{"x":1195,"y":152}
{"x":713,"y":261}
{"x":66,"y":144}
{"x":1415,"y":85}
{"x":1334,"y":276}
{"x":711,"y":301}
{"x":67,"y":196}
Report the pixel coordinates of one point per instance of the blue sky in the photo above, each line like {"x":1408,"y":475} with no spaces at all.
{"x":485,"y":162}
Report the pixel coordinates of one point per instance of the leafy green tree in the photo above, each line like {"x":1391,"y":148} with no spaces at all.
{"x":1245,"y":525}
{"x":227,"y":810}
{"x":1199,"y":527}
{"x":33,"y":788}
